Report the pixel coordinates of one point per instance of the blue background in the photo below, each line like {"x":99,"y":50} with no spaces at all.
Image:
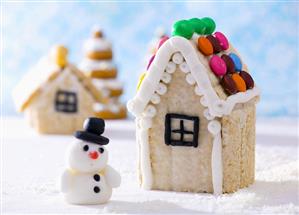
{"x":266,"y":35}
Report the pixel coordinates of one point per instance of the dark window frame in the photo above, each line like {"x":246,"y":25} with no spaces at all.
{"x":181,"y":130}
{"x":66,"y":106}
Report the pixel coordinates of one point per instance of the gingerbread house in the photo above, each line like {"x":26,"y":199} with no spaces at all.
{"x":55,"y":96}
{"x":195,"y":112}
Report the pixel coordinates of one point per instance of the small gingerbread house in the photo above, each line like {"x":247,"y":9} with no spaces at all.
{"x":55,"y":96}
{"x":195,"y":114}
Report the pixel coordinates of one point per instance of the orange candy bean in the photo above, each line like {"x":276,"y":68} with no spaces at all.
{"x":241,"y":85}
{"x":205,"y":46}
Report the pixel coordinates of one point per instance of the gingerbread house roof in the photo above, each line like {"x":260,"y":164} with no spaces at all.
{"x":41,"y":76}
{"x":204,"y":70}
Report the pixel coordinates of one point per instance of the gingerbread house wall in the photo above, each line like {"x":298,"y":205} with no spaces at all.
{"x":175,"y":167}
{"x":42,"y":114}
{"x":238,"y":147}
{"x":189,"y":169}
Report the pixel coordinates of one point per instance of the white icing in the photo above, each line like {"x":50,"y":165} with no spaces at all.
{"x":107,"y":83}
{"x":198,"y":91}
{"x":155,"y":99}
{"x":146,"y":122}
{"x":96,"y":44}
{"x":184,"y":67}
{"x":112,"y":106}
{"x":88,"y":65}
{"x":78,"y":178}
{"x":203,"y":101}
{"x":207,"y":114}
{"x":145,"y":164}
{"x":214,"y":128}
{"x":190,"y":80}
{"x":170,"y":67}
{"x":162,"y":89}
{"x":177,"y":58}
{"x":150,"y":111}
{"x":166,"y":78}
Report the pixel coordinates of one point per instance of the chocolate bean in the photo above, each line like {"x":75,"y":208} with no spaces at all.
{"x":229,"y":63}
{"x":215,"y":43}
{"x":229,"y":85}
{"x":248,"y":79}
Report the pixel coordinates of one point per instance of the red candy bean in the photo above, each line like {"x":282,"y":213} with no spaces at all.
{"x":150,"y":62}
{"x":163,"y":40}
{"x":222,"y":40}
{"x":218,"y":65}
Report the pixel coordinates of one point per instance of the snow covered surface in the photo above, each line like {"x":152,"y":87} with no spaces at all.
{"x":32,"y":164}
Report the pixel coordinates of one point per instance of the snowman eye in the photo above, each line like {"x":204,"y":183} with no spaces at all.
{"x":101,"y":150}
{"x":85,"y":148}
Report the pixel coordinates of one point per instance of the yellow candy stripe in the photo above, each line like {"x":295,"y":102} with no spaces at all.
{"x":140,"y":80}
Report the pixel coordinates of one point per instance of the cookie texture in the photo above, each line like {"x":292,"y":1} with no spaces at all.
{"x":180,"y":168}
{"x":45,"y":119}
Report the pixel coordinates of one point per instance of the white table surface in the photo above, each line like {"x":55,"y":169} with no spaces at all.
{"x":32,"y":163}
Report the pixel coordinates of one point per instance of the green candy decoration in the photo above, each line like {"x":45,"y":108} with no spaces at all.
{"x":198,"y":25}
{"x":209,"y":24}
{"x":183,"y":28}
{"x":186,"y":28}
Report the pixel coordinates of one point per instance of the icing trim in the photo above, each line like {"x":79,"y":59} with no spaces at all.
{"x":145,"y":163}
{"x":178,"y":44}
{"x":214,"y":128}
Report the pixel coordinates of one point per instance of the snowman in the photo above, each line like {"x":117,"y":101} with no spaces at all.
{"x":88,"y":179}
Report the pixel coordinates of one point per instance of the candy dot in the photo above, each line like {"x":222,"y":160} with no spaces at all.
{"x":162,"y":41}
{"x":140,"y":80}
{"x":240,"y":83}
{"x":237,"y":61}
{"x":209,"y":24}
{"x":222,"y":40}
{"x":150,"y":62}
{"x":217,"y":65}
{"x":198,"y":25}
{"x":205,"y":46}
{"x":182,"y":28}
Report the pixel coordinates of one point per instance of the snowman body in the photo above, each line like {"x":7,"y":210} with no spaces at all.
{"x":88,"y":179}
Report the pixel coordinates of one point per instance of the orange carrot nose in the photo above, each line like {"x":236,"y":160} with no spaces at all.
{"x":93,"y":155}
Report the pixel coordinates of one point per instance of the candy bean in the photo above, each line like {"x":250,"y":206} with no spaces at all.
{"x":209,"y":24}
{"x":217,"y":65}
{"x":215,"y":44}
{"x":240,"y":83}
{"x":229,"y":63}
{"x":237,"y":61}
{"x":205,"y":46}
{"x":248,"y":79}
{"x":150,"y":62}
{"x":142,"y":76}
{"x":163,"y":40}
{"x":229,"y":85}
{"x":183,"y":28}
{"x":222,"y":40}
{"x":198,"y":25}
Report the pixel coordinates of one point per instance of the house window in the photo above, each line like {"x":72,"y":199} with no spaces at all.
{"x":66,"y":101}
{"x":181,"y":130}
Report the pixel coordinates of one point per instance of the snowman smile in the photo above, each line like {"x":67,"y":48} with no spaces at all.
{"x":93,"y":155}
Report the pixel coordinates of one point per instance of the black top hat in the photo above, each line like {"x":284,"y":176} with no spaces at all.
{"x":93,"y":128}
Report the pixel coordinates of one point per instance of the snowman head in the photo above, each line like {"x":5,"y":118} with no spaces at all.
{"x":87,"y":157}
{"x":89,"y":154}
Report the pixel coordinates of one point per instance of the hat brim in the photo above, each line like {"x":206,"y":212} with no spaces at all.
{"x":92,"y":138}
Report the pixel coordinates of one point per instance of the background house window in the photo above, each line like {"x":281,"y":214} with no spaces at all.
{"x":66,"y":101}
{"x":181,"y":130}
